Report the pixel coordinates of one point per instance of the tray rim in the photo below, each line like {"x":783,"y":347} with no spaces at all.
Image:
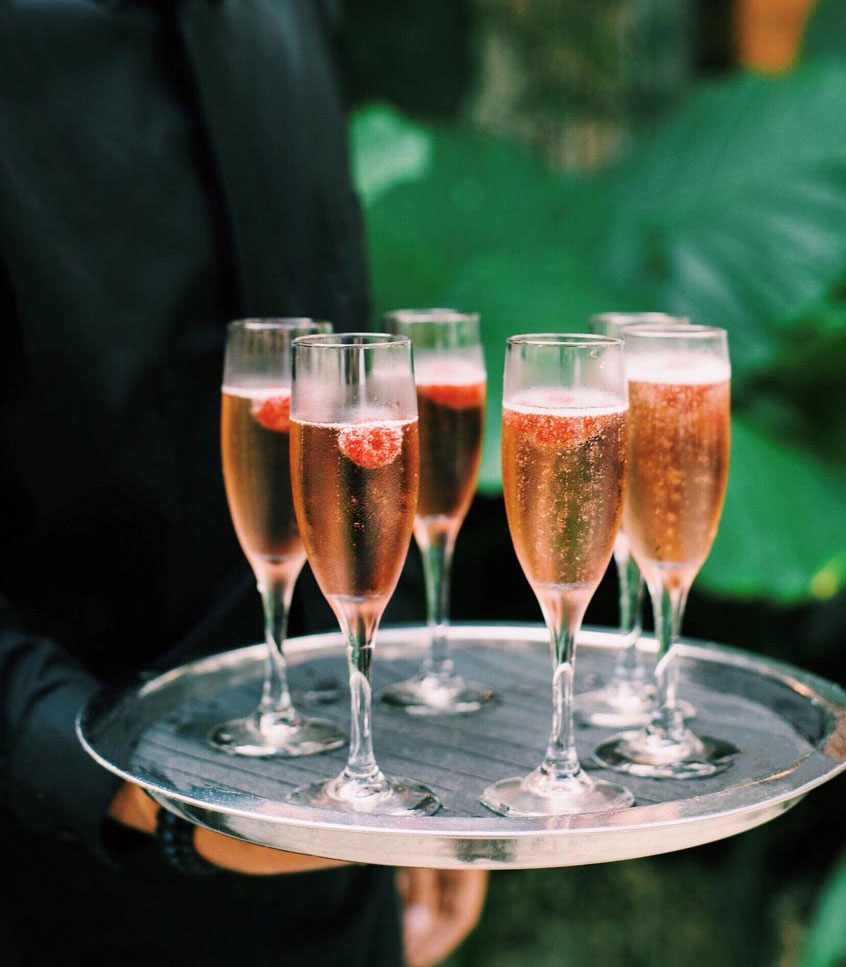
{"x":817,"y":690}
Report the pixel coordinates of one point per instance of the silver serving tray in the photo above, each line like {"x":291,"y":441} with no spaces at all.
{"x":790,"y":726}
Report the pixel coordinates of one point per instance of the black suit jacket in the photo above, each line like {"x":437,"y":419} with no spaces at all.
{"x":165,"y":165}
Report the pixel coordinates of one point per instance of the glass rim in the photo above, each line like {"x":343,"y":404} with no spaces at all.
{"x":432,"y":315}
{"x":649,"y":318}
{"x":683,"y":331}
{"x":572,"y":340}
{"x":350,"y":340}
{"x":279,"y":323}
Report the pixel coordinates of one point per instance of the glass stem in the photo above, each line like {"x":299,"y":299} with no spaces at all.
{"x":276,"y":593}
{"x":563,"y":620}
{"x":668,"y":601}
{"x":629,"y":667}
{"x":436,"y":543}
{"x":360,"y":628}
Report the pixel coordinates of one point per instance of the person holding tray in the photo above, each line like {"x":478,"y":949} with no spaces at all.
{"x":164,"y":167}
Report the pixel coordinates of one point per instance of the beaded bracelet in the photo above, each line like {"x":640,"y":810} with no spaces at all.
{"x":176,"y":839}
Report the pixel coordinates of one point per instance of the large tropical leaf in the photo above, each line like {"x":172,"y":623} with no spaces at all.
{"x":387,"y":151}
{"x":802,"y":396}
{"x":487,"y":227}
{"x":825,"y":942}
{"x":783,"y":529}
{"x":531,"y":290}
{"x":825,"y":35}
{"x":735,"y":212}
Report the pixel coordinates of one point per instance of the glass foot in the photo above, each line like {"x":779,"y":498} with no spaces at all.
{"x":539,"y":795}
{"x":436,"y":695}
{"x":381,"y":796}
{"x":621,"y":705}
{"x":653,"y":755}
{"x":264,"y":734}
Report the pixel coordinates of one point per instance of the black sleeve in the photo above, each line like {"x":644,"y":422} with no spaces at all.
{"x":48,"y":782}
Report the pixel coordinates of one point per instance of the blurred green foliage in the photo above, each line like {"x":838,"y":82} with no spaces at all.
{"x":589,"y":909}
{"x":825,"y":942}
{"x":733,"y":211}
{"x":825,"y":35}
{"x":642,"y":913}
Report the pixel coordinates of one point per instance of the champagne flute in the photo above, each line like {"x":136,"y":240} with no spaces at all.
{"x":255,"y":433}
{"x":355,"y":471}
{"x":679,"y":379}
{"x":450,"y":374}
{"x":628,"y":698}
{"x":564,"y":449}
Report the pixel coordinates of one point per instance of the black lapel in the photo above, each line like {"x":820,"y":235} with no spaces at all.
{"x":247,"y":56}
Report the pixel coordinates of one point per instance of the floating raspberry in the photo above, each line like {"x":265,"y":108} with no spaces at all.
{"x":554,"y":431}
{"x":273,"y":413}
{"x":456,"y":396}
{"x":371,"y":445}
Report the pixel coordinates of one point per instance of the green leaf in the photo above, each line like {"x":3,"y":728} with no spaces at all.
{"x":802,"y":396}
{"x":387,"y":150}
{"x":475,"y":196}
{"x":735,"y":212}
{"x":530,"y":291}
{"x":825,"y":35}
{"x":825,"y":942}
{"x":783,"y":530}
{"x":488,"y":228}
